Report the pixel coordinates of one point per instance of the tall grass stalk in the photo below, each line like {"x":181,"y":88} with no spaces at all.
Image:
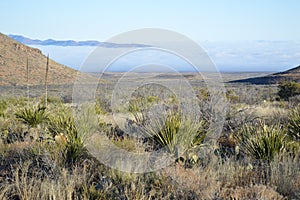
{"x":27,"y":81}
{"x":46,"y":81}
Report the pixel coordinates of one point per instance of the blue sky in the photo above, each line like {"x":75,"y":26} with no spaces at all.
{"x":197,"y":19}
{"x":239,"y":35}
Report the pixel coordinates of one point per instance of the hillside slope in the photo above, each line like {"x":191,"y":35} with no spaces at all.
{"x":13,"y":59}
{"x":289,"y":75}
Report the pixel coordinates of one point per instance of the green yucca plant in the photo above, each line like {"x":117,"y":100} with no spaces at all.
{"x":294,"y":124}
{"x":176,"y":131}
{"x":167,"y":135}
{"x":32,"y":116}
{"x":262,"y":142}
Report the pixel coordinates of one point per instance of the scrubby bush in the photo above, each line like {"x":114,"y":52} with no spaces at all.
{"x":3,"y":107}
{"x":288,"y":89}
{"x":102,"y":105}
{"x":231,"y":96}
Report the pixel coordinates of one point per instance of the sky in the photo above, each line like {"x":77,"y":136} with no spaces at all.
{"x":197,"y":19}
{"x":239,"y":35}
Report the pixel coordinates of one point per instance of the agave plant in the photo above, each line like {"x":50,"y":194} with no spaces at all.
{"x":263,"y":142}
{"x":32,"y":116}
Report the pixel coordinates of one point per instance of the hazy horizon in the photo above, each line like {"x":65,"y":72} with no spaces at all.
{"x":228,"y":56}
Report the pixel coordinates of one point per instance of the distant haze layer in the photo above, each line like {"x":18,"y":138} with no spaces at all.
{"x":237,"y":56}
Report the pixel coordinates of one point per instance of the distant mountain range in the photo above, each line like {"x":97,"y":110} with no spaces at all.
{"x":28,"y":41}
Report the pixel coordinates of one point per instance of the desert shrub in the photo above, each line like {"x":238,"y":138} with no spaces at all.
{"x":203,"y":94}
{"x":262,"y":142}
{"x":102,"y":105}
{"x":231,"y":96}
{"x":11,"y":129}
{"x":51,"y":99}
{"x":32,"y":116}
{"x":3,"y":107}
{"x":288,"y":89}
{"x":153,"y":99}
{"x":125,"y":143}
{"x":236,"y":116}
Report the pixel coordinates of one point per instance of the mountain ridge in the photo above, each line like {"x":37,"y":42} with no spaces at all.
{"x":28,"y":41}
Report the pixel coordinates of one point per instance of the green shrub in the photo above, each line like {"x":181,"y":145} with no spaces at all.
{"x":204,"y":94}
{"x":153,"y":99}
{"x":51,"y":99}
{"x":231,"y":96}
{"x":3,"y":107}
{"x":262,"y":142}
{"x":32,"y":116}
{"x":102,"y":106}
{"x":288,"y":89}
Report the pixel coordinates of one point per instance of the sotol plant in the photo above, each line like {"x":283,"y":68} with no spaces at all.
{"x":263,"y":142}
{"x":175,"y":131}
{"x":63,"y":123}
{"x":32,"y":116}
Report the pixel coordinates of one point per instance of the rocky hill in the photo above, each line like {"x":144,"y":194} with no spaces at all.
{"x":289,"y":75}
{"x":13,"y":59}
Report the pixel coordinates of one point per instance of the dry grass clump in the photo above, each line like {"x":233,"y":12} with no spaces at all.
{"x":284,"y":174}
{"x":202,"y":182}
{"x":250,"y":193}
{"x":26,"y":184}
